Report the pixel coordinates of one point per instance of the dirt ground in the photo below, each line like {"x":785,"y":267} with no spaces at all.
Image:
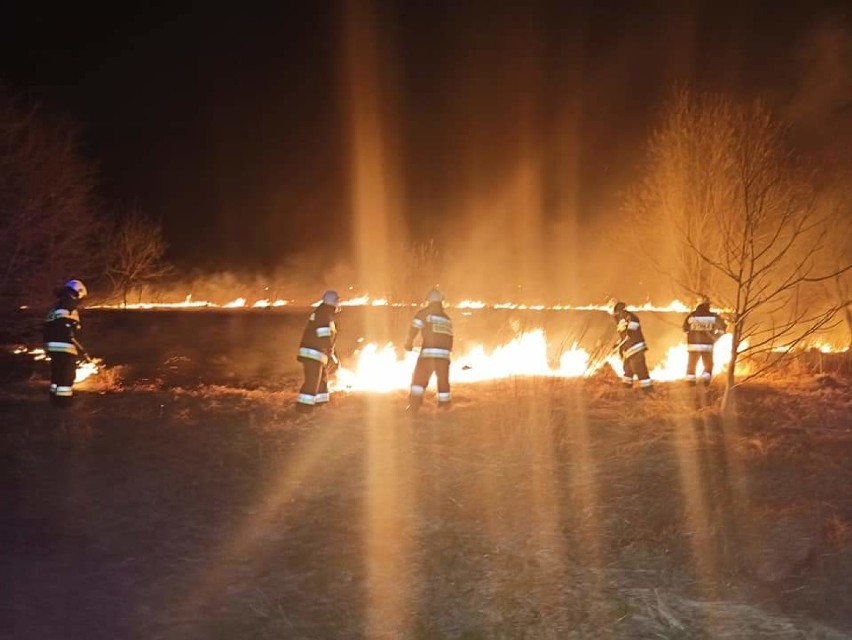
{"x":532,"y":509}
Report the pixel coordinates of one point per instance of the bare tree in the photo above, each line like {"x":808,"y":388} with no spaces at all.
{"x":47,"y":221}
{"x":839,"y":253}
{"x":135,"y":254}
{"x":744,"y":224}
{"x":679,"y":193}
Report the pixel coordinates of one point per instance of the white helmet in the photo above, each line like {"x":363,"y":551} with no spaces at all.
{"x":331,"y":298}
{"x":77,"y":289}
{"x":434,"y":296}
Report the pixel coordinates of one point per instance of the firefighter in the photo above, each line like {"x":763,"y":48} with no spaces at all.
{"x":316,"y":352}
{"x":631,"y":347}
{"x":436,"y":328}
{"x":702,"y":327}
{"x":60,"y":341}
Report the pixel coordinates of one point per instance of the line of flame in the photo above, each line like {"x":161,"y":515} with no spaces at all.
{"x":83,"y":371}
{"x":675,"y":306}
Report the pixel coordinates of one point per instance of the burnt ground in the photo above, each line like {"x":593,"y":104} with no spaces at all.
{"x":532,"y":509}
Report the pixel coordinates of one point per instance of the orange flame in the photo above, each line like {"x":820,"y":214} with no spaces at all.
{"x":84,"y":370}
{"x":676,"y":306}
{"x":383,"y":369}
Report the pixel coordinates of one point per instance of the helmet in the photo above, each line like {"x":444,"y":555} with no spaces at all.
{"x":619,"y":306}
{"x":331,"y":298}
{"x":434,"y":296}
{"x":76,"y":289}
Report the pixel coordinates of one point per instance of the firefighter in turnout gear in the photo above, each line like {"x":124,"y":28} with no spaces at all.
{"x":631,"y":347}
{"x":436,"y":328}
{"x":60,"y":341}
{"x":316,"y":352}
{"x":702,"y":327}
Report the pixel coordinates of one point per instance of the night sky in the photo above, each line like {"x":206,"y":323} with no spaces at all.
{"x":229,"y":125}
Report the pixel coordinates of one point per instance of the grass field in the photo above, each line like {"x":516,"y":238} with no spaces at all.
{"x":182,"y":497}
{"x":533,"y":509}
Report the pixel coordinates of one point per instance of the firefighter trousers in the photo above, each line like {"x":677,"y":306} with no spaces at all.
{"x":423,"y":371}
{"x":314,"y":391}
{"x":706,"y":358}
{"x":635,"y":366}
{"x":63,"y":368}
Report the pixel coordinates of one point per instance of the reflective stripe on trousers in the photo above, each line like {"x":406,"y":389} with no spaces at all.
{"x":434,"y":352}
{"x":634,"y":349}
{"x":313,"y":354}
{"x":698,"y":347}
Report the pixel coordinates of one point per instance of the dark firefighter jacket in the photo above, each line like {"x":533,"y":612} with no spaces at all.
{"x":703,"y":327}
{"x":61,"y":327}
{"x":630,"y":338}
{"x":319,"y":336}
{"x":437,"y":331}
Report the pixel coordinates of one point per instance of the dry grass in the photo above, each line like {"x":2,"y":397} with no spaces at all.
{"x":838,"y":531}
{"x":534,"y":508}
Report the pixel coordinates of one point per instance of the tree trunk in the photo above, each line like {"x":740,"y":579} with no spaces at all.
{"x":728,"y":403}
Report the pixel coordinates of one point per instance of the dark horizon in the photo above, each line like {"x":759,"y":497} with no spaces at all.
{"x":232,"y":127}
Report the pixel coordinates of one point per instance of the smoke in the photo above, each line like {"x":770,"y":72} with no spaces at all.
{"x":302,"y":280}
{"x":821,"y":106}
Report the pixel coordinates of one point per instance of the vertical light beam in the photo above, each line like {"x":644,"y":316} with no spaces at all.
{"x":375,"y":227}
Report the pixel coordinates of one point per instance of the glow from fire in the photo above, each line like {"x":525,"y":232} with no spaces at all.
{"x":84,"y":370}
{"x":386,"y":368}
{"x":676,"y":306}
{"x":265,"y":304}
{"x":87,"y":370}
{"x":188,"y":303}
{"x":382,"y":369}
{"x":826,"y":347}
{"x":673,"y":365}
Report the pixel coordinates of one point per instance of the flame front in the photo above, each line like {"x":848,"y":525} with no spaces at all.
{"x":673,"y":365}
{"x":383,"y":369}
{"x":84,"y":370}
{"x":676,"y":306}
